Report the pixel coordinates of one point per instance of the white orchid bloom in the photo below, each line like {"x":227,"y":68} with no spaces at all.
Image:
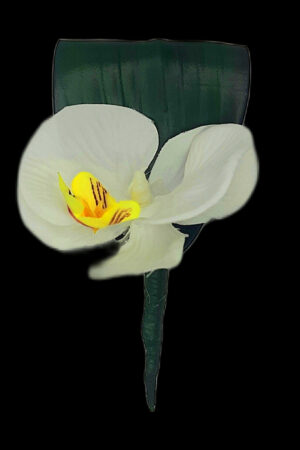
{"x":81,"y":183}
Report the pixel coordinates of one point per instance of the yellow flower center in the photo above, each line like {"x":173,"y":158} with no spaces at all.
{"x":90,"y":204}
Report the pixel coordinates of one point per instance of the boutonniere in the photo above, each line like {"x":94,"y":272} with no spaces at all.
{"x":82,"y":183}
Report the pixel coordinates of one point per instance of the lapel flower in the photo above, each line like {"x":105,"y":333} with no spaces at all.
{"x":82,"y":183}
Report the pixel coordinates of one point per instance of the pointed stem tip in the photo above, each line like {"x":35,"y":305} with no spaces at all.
{"x":155,"y":292}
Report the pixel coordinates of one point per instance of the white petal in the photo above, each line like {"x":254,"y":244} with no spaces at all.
{"x":38,"y":184}
{"x":238,"y":193}
{"x":111,"y":142}
{"x":149,"y":247}
{"x":169,"y":165}
{"x":66,"y":237}
{"x":212,"y":161}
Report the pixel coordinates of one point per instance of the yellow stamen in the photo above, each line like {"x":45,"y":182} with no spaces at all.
{"x":91,"y":205}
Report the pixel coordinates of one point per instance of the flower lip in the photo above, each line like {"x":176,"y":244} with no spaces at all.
{"x":90,"y":204}
{"x":75,"y":218}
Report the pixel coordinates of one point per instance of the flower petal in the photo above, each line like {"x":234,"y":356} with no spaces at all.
{"x":169,"y":165}
{"x":60,"y":237}
{"x":111,"y":142}
{"x":149,"y":247}
{"x":213,"y":159}
{"x":238,"y":193}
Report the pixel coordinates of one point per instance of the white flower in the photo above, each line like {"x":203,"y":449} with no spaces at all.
{"x":202,"y":174}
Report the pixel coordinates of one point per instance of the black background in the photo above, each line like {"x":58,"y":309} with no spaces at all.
{"x":75,"y":349}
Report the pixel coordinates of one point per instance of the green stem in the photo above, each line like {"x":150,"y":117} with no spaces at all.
{"x":155,"y":294}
